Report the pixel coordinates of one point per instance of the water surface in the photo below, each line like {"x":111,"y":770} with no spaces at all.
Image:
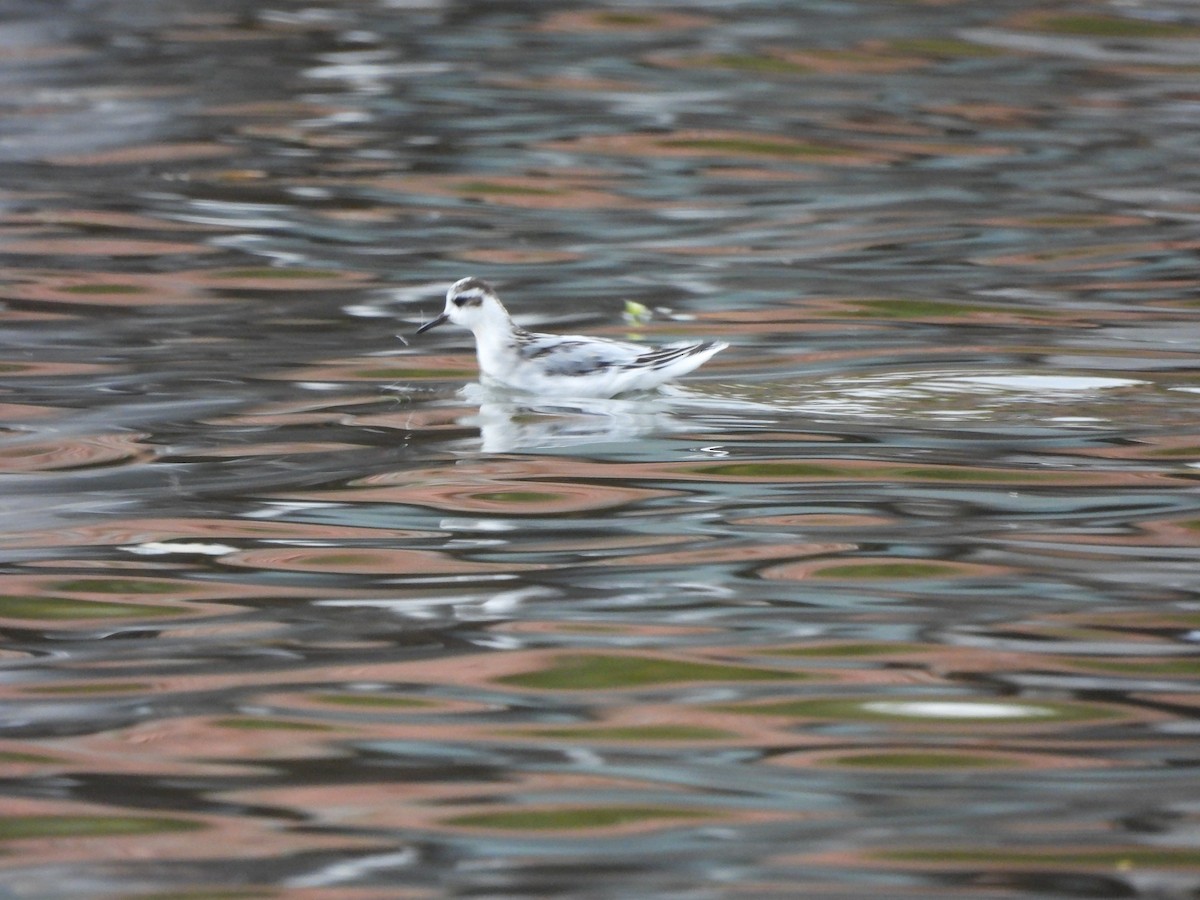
{"x":896,"y":595}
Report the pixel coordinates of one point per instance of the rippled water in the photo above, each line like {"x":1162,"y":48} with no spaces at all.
{"x":897,"y":596}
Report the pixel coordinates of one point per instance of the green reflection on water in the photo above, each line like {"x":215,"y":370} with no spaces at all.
{"x":888,"y":570}
{"x":746,"y":62}
{"x":788,"y":471}
{"x":1120,"y":857}
{"x":402,"y":373}
{"x":118,"y":586}
{"x":752,"y":147}
{"x":494,"y":187}
{"x":963,"y":473}
{"x":14,"y":828}
{"x":575,"y":817}
{"x":591,"y":672}
{"x":13,"y":756}
{"x":627,"y":19}
{"x":1185,"y":667}
{"x":59,"y":608}
{"x":108,"y":288}
{"x":918,"y":309}
{"x":517,"y":496}
{"x":631,"y":733}
{"x":1113,"y":26}
{"x":269,"y":272}
{"x":249,"y":724}
{"x":915,"y":760}
{"x":213,"y":894}
{"x":773,"y":470}
{"x":947,"y":48}
{"x":101,"y":688}
{"x":376,"y":701}
{"x":846,"y":650}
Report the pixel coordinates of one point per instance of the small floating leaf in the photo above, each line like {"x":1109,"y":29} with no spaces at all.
{"x":637,"y":313}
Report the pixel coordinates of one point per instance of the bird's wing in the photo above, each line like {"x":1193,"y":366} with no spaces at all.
{"x":571,"y":355}
{"x":661,"y":357}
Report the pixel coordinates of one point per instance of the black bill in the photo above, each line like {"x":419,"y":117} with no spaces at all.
{"x":434,"y":323}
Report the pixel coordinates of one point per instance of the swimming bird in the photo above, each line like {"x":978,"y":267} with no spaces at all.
{"x":561,"y":365}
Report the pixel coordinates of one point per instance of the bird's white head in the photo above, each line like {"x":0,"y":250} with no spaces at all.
{"x":472,"y":303}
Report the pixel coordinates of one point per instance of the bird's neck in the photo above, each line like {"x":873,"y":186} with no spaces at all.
{"x":495,"y":341}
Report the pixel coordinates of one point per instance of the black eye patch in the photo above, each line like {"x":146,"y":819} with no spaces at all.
{"x":462,"y":300}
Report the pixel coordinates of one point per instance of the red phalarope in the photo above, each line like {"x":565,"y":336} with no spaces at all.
{"x":561,"y":364}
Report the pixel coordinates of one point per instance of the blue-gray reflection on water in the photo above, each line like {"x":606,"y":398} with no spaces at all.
{"x":895,"y":595}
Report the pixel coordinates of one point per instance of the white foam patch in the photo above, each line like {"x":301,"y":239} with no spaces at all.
{"x":953,"y":709}
{"x":164,"y":548}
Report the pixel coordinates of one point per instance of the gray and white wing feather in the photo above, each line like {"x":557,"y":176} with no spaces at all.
{"x":569,"y":355}
{"x":668,"y":354}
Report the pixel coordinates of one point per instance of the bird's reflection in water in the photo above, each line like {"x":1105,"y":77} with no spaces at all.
{"x":510,"y":421}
